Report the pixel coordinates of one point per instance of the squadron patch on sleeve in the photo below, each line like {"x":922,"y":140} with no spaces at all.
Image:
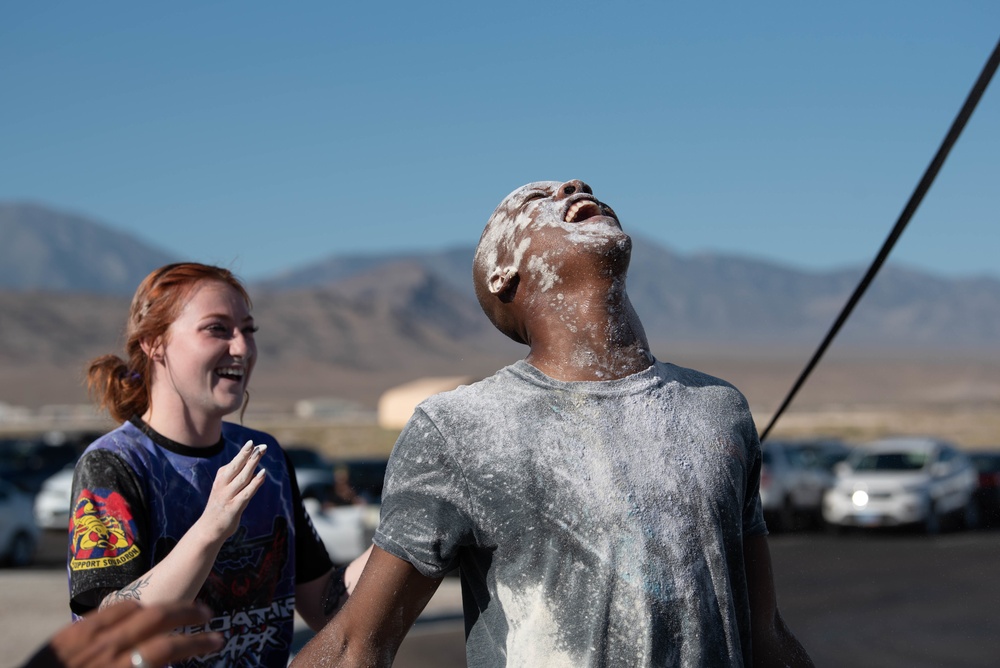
{"x":103,"y":531}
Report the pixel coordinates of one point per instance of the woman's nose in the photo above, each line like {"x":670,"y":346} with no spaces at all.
{"x":571,"y":188}
{"x":241,"y":346}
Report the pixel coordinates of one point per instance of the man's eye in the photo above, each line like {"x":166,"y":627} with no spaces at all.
{"x":532,"y":197}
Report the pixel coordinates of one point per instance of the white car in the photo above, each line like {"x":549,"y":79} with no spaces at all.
{"x":18,"y":533}
{"x":793,"y":478}
{"x":347,"y":531}
{"x":903,"y":481}
{"x":53,"y":500}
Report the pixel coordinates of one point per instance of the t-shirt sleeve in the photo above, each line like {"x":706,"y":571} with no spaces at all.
{"x":108,"y":533}
{"x":311,"y":558}
{"x":425,"y":516}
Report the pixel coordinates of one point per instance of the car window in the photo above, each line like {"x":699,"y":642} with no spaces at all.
{"x":890,"y":461}
{"x":986,"y":463}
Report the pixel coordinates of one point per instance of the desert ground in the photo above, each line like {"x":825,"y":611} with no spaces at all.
{"x":856,"y":395}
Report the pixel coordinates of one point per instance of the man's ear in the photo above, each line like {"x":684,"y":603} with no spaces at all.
{"x":503,"y":283}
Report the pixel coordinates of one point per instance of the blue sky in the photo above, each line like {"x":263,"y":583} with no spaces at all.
{"x":264,"y":136}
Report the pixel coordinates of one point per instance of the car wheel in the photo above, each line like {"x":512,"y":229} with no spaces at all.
{"x":22,"y":550}
{"x":932,"y":523}
{"x":970,"y":518}
{"x":784,"y":519}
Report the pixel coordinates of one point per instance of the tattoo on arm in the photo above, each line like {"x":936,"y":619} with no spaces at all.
{"x":336,"y":591}
{"x":131,"y":592}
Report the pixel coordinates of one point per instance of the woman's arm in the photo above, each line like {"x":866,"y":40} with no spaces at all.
{"x":182,"y":573}
{"x":317,"y":601}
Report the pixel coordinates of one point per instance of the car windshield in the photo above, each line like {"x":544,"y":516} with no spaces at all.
{"x":890,"y":461}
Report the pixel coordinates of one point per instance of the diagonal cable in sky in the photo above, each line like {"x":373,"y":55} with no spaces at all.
{"x":904,"y":218}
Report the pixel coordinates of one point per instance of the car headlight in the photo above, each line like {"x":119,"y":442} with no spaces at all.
{"x":860,"y":498}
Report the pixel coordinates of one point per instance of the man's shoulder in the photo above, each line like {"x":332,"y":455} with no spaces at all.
{"x":693,"y":377}
{"x":483,"y":390}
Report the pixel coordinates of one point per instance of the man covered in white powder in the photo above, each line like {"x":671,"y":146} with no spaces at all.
{"x":603,"y":506}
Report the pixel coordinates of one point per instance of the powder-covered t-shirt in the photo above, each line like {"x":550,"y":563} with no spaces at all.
{"x":136,"y":493}
{"x":595,"y":523}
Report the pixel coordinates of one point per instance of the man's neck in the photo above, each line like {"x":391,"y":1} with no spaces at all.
{"x":588,"y":340}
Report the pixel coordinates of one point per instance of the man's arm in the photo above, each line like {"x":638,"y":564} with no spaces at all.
{"x":369,"y":629}
{"x":773,"y":642}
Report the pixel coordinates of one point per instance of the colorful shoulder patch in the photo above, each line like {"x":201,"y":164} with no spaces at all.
{"x":103,"y":531}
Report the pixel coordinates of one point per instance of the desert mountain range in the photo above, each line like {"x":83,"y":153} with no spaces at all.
{"x":353,"y":325}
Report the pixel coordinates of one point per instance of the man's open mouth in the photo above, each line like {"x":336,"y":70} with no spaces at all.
{"x":582,"y":209}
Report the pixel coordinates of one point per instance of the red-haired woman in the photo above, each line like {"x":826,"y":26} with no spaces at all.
{"x":177,"y":505}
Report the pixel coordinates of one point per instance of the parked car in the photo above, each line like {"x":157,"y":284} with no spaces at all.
{"x":18,"y":533}
{"x":28,"y":462}
{"x":903,"y":481}
{"x":793,"y":478}
{"x":52,"y":503}
{"x":346,"y":529}
{"x":311,"y":468}
{"x":987,"y":464}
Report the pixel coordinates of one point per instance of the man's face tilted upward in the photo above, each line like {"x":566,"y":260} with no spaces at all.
{"x":541,"y":238}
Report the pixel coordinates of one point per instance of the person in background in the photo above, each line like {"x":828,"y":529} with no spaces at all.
{"x":177,"y":505}
{"x":603,"y":506}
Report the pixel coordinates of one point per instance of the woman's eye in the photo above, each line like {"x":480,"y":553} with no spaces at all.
{"x":252,"y":329}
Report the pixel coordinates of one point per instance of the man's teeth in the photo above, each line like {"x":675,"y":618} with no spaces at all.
{"x":581,"y":210}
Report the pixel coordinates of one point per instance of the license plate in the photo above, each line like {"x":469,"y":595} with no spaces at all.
{"x":868,"y":520}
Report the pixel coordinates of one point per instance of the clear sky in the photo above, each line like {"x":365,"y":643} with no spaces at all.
{"x":264,"y":136}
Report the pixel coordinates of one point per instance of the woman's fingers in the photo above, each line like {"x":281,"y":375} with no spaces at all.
{"x":240,"y":470}
{"x":228,"y":472}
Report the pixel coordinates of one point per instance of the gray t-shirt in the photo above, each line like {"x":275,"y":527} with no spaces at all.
{"x":595,"y":523}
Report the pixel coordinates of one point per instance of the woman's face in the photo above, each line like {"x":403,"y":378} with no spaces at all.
{"x":203,"y":367}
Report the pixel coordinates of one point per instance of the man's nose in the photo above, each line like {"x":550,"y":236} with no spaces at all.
{"x":571,"y":188}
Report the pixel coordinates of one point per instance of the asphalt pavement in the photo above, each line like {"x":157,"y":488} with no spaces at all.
{"x":883,"y":599}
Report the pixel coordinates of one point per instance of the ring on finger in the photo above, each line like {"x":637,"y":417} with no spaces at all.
{"x":138,"y":661}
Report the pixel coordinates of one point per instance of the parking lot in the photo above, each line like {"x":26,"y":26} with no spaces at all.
{"x":874,"y":598}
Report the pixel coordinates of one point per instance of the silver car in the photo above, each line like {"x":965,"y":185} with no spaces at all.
{"x":18,"y":533}
{"x":793,"y":478}
{"x":903,"y":481}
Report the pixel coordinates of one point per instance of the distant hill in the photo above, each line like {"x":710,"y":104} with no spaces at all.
{"x":43,"y":249}
{"x":354,"y":325}
{"x":720,"y":298}
{"x":373,"y":311}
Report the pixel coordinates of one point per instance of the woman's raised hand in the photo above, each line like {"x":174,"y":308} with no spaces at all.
{"x":234,"y":486}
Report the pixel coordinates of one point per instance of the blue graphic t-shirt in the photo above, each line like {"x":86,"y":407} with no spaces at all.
{"x":135,"y":494}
